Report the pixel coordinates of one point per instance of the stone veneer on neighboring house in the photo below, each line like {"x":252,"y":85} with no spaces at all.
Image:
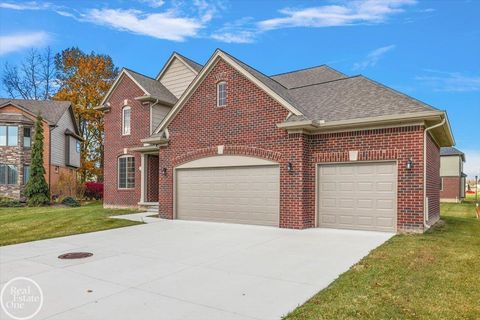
{"x":59,"y":127}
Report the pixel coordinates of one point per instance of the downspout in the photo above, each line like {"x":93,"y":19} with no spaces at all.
{"x":425,"y":213}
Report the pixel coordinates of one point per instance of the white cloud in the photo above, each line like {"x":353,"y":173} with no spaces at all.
{"x":167,"y":25}
{"x":241,"y":36}
{"x":153,"y":3}
{"x":19,"y":41}
{"x":450,"y":81}
{"x":373,"y":57}
{"x":349,"y":13}
{"x":472,"y":163}
{"x":32,"y":5}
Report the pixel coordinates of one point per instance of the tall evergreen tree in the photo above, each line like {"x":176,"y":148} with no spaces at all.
{"x":36,"y":190}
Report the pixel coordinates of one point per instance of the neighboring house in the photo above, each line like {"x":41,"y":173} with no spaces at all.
{"x":308,"y":148}
{"x":451,"y":172}
{"x":61,"y":142}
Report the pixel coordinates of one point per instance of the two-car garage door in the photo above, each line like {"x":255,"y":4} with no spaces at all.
{"x":229,"y":189}
{"x":357,"y":196}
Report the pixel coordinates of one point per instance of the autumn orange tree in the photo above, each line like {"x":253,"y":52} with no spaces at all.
{"x":84,"y":79}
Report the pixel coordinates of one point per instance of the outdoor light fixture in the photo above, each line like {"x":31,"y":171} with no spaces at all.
{"x":164,"y":171}
{"x":289,"y":167}
{"x":409,"y":164}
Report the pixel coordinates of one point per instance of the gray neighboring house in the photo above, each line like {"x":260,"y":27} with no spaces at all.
{"x":451,"y":172}
{"x":61,"y":142}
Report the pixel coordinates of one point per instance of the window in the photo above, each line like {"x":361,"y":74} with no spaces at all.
{"x":126,"y":116}
{"x":8,"y":174}
{"x":8,"y":136}
{"x":126,"y":172}
{"x":26,"y":174}
{"x":27,"y":137}
{"x":221,"y":94}
{"x":77,"y":146}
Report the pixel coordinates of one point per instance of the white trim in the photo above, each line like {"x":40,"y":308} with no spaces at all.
{"x":170,"y":61}
{"x":117,"y":81}
{"x":206,"y":69}
{"x":118,"y":172}
{"x":226,"y":161}
{"x":123,"y":121}
{"x":142,"y":178}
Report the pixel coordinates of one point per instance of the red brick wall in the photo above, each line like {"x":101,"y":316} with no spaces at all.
{"x":247,"y":126}
{"x":115,"y":142}
{"x":433,"y":181}
{"x":451,"y":188}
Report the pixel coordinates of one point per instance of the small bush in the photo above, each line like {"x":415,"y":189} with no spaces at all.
{"x":94,"y":190}
{"x":69,"y":201}
{"x":9,"y":203}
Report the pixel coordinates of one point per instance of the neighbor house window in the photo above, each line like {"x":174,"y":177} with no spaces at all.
{"x":8,"y":135}
{"x":8,"y":174}
{"x":27,"y":137}
{"x":77,"y":147}
{"x":221,"y":94}
{"x":441,"y":184}
{"x":126,"y":117}
{"x":126,"y":172}
{"x":26,"y":174}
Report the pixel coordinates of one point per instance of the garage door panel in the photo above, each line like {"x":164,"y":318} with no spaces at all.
{"x":357,"y":196}
{"x":247,"y":195}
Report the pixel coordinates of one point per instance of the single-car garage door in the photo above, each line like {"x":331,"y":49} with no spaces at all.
{"x":236,"y":194}
{"x":358,"y":196}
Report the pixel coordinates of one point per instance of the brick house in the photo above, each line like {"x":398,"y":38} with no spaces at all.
{"x":61,"y":142}
{"x":309,"y":148}
{"x":451,"y":172}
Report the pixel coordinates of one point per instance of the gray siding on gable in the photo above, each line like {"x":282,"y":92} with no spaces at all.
{"x":159,"y":112}
{"x":58,"y":139}
{"x":177,"y":77}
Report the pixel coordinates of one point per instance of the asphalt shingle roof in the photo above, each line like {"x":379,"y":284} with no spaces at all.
{"x":50,"y":110}
{"x":308,"y":76}
{"x":451,"y":151}
{"x":352,"y":98}
{"x":153,"y":87}
{"x":196,"y":66}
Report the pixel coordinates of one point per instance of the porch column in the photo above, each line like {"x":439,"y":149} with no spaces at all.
{"x":143,"y":178}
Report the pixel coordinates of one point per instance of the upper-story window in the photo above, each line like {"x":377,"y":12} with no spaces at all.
{"x":77,"y":146}
{"x":27,"y":137}
{"x":8,"y":136}
{"x":221,"y":94}
{"x":126,"y":120}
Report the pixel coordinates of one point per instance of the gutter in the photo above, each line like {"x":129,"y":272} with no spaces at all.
{"x":425,"y":198}
{"x":150,"y":98}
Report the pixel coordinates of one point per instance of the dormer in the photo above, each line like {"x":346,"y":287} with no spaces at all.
{"x":178,"y":73}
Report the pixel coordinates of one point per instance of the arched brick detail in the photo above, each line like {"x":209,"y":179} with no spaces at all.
{"x":236,"y":150}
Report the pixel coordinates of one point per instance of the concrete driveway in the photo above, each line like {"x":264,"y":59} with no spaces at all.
{"x":185,"y":270}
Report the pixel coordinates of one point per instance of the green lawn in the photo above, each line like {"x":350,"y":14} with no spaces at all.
{"x":27,"y":224}
{"x":431,"y":276}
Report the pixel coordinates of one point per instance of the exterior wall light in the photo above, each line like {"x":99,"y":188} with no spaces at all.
{"x":164,"y":171}
{"x":289,"y":167}
{"x":409,"y":164}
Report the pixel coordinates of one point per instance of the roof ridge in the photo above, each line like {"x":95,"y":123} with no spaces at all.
{"x":314,"y":84}
{"x":187,"y":58}
{"x":139,"y":73}
{"x":308,"y":68}
{"x":397,"y":92}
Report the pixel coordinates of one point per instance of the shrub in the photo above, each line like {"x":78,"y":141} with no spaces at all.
{"x":94,"y":190}
{"x":9,"y":202}
{"x":67,"y":186}
{"x":69,"y":201}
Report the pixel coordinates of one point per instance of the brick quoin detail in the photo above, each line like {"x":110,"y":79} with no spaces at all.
{"x":247,"y":126}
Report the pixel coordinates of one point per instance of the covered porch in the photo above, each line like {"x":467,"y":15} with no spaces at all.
{"x":149,"y":177}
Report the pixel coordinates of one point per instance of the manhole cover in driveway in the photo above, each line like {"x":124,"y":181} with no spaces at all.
{"x":75,"y":255}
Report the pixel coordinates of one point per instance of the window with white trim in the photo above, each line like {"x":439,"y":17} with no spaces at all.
{"x":221,"y":94}
{"x":126,"y":172}
{"x":27,"y":137}
{"x":8,"y":136}
{"x":126,"y":120}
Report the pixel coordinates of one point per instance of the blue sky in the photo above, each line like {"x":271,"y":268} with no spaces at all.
{"x":427,"y":49}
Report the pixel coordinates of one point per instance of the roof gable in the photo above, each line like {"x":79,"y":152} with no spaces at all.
{"x":192,"y":65}
{"x":271,"y":87}
{"x":51,"y":110}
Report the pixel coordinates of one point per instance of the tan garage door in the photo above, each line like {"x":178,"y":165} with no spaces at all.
{"x":357,"y":196}
{"x":248,"y":195}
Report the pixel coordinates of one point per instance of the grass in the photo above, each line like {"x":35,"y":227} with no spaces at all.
{"x":435,"y":275}
{"x":19,"y":225}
